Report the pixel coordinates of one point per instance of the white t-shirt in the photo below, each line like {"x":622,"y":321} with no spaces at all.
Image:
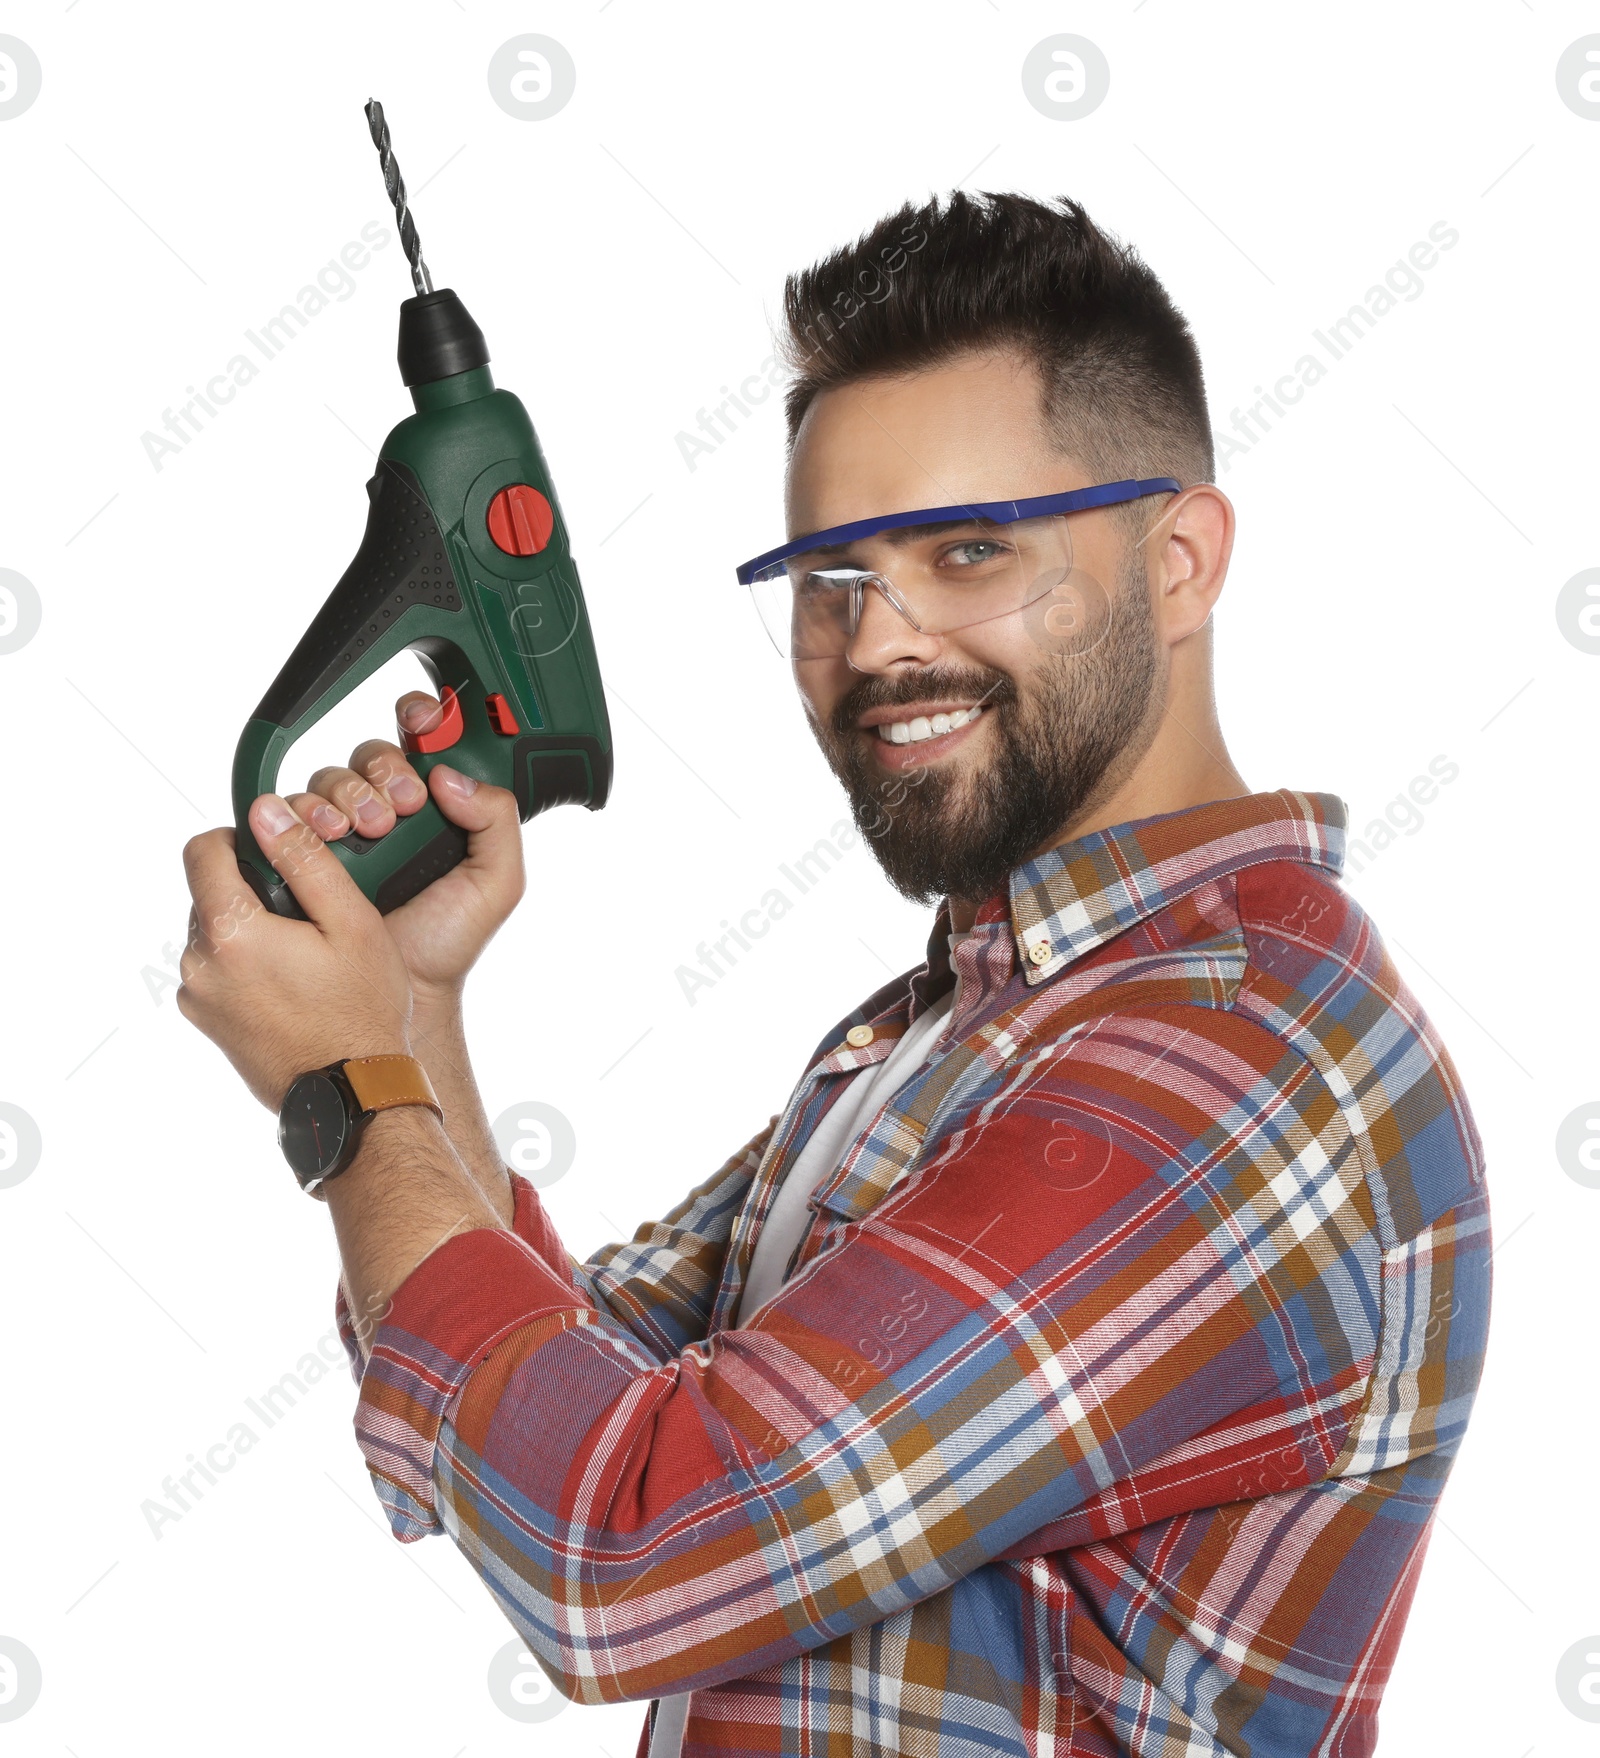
{"x":790,"y":1215}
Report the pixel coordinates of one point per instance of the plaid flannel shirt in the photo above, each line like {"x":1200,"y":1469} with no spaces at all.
{"x":1109,"y":1399}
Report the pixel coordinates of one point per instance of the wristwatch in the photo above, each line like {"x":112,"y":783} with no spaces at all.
{"x":324,"y":1113}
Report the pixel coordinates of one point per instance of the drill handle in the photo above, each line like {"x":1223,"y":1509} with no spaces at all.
{"x":399,"y":591}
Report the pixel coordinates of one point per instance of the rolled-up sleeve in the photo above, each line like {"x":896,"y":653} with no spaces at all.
{"x":659,"y":1285}
{"x":445,"y":1320}
{"x":529,"y":1223}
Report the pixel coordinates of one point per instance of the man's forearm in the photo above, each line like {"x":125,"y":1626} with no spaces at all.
{"x":438,"y":1041}
{"x":405,"y":1194}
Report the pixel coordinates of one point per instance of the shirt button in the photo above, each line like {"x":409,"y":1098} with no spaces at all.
{"x":858,"y":1036}
{"x":1040,"y":952}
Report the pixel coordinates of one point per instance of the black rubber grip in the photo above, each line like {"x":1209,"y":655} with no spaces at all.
{"x":554,"y":769}
{"x":401,"y":562}
{"x":272,"y":892}
{"x":430,"y":861}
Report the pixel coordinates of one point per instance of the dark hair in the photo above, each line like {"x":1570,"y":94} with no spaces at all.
{"x":1122,"y":384}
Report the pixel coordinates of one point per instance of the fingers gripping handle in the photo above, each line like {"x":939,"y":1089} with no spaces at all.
{"x":390,"y":869}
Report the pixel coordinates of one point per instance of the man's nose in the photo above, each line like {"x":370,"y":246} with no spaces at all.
{"x":887,"y":630}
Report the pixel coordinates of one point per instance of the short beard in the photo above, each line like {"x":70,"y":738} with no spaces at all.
{"x":939,"y":834}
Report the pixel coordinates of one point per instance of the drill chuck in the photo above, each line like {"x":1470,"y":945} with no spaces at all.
{"x":438,"y":338}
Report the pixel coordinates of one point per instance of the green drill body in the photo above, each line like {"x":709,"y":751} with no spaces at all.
{"x":453,"y":567}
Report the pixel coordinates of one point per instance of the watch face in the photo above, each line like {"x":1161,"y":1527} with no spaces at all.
{"x":313,"y":1126}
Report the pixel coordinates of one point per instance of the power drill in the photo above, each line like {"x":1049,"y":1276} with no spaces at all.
{"x":466,"y":562}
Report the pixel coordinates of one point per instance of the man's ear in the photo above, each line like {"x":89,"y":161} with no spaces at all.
{"x":1188,"y":554}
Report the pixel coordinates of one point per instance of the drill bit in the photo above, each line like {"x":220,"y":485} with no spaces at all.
{"x":409,"y":241}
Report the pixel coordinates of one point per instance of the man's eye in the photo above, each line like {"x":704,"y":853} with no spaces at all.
{"x":972,"y":552}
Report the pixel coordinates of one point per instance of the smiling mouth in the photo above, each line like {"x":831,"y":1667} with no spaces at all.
{"x":922,"y":727}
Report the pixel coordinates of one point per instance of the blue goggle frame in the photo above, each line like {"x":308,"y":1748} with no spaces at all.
{"x":1103,"y":494}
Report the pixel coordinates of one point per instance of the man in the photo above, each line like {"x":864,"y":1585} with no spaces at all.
{"x":1075,"y":1363}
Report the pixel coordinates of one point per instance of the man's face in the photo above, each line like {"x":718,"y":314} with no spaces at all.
{"x":1067,"y":689}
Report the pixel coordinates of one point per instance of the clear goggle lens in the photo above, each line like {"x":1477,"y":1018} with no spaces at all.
{"x":812,"y":605}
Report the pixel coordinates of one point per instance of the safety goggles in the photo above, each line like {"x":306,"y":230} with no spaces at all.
{"x":953,"y":567}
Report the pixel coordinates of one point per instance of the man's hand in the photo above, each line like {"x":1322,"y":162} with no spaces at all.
{"x":443,"y":929}
{"x":279,"y":997}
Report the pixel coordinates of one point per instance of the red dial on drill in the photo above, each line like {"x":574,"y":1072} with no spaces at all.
{"x":520,"y":520}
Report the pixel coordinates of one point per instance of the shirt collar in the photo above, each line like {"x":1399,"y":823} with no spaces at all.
{"x":1079,"y":894}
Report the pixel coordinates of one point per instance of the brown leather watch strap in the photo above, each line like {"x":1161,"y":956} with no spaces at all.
{"x":381,"y":1082}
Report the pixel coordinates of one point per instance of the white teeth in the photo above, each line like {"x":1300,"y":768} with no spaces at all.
{"x":910,"y":732}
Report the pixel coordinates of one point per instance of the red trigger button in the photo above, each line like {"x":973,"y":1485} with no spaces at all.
{"x":500,"y":716}
{"x":445,"y":734}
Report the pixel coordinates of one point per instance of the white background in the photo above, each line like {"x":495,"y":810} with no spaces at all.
{"x":1403,"y":536}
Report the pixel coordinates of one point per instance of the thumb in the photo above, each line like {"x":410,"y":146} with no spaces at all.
{"x":321,"y":885}
{"x":487,"y":813}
